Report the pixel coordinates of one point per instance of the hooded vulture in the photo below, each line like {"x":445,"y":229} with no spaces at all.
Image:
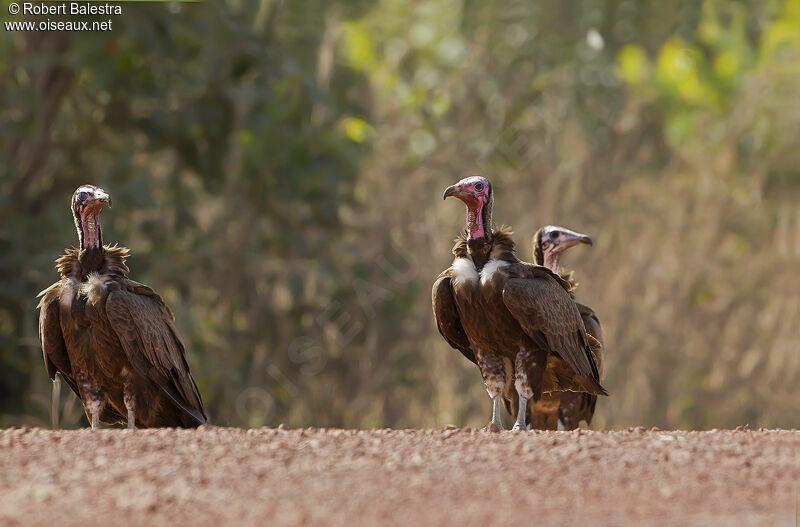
{"x":565,"y":410}
{"x":113,"y":340}
{"x":516,"y":319}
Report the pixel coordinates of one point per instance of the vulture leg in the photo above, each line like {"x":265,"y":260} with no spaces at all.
{"x":493,"y":371}
{"x":93,"y":407}
{"x":94,"y":399}
{"x":520,"y":425}
{"x":130,"y":403}
{"x":529,"y":367}
{"x":55,"y":402}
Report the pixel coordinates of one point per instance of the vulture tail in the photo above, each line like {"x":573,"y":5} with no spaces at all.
{"x":594,"y":387}
{"x":173,"y":395}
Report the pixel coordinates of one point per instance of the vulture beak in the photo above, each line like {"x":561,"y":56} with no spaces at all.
{"x":574,"y":238}
{"x":101,"y":196}
{"x":453,"y":190}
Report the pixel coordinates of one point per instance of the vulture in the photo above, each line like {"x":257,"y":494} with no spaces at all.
{"x":565,"y":410}
{"x":516,"y":320}
{"x":114,"y":340}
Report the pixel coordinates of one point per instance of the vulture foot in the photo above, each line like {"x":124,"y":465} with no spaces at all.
{"x":561,"y":427}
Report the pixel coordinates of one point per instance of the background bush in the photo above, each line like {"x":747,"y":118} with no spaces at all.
{"x":277,"y":170}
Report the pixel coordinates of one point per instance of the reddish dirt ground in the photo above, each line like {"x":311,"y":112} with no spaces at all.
{"x":221,"y":476}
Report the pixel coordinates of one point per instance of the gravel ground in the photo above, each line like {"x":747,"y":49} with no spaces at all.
{"x":223,"y":476}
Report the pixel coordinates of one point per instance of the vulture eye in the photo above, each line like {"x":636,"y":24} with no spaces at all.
{"x":554,"y":235}
{"x":478,"y":186}
{"x":82,"y":196}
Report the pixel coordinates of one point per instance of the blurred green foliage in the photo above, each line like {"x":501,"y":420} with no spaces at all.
{"x":277,"y":167}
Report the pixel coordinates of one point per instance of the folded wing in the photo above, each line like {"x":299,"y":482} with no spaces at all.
{"x":144,"y":325}
{"x":54,"y":348}
{"x":543,"y":307}
{"x":446,"y":314}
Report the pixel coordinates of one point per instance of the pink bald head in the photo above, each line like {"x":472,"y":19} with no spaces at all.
{"x":476,"y":193}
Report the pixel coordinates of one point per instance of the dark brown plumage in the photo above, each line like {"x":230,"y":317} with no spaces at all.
{"x":113,"y":339}
{"x":516,"y":319}
{"x":565,"y":410}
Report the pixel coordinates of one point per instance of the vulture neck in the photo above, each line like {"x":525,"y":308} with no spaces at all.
{"x":479,"y":232}
{"x":92,"y":254}
{"x":551,"y":262}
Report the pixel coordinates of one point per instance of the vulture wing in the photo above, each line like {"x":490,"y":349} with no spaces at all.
{"x":543,"y":307}
{"x":591,"y":321}
{"x":594,"y":330}
{"x":54,"y":347}
{"x":144,"y":325}
{"x":446,"y":314}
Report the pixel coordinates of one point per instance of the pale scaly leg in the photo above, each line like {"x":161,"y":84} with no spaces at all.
{"x":496,"y":404}
{"x":55,"y":402}
{"x":130,"y":403}
{"x":526,"y":361}
{"x":520,"y":425}
{"x":494,"y":377}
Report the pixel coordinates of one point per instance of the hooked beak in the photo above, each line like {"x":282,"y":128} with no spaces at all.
{"x":575,"y":238}
{"x":454,"y":190}
{"x":97,"y":200}
{"x":101,"y":196}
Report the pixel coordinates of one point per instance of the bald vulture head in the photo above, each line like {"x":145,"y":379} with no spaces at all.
{"x":87,"y":204}
{"x":476,"y":193}
{"x":550,"y":241}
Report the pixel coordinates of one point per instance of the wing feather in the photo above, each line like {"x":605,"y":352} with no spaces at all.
{"x":54,"y":347}
{"x":594,"y":330}
{"x":446,"y":314}
{"x":144,"y":325}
